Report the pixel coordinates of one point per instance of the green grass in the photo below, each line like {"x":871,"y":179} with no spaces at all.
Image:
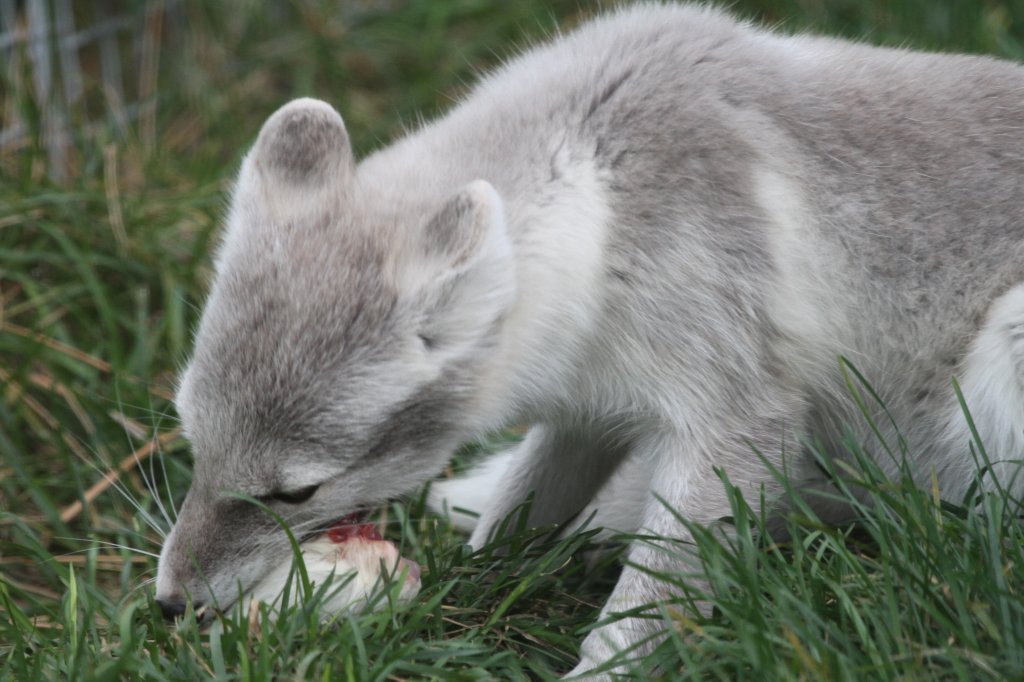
{"x":101,"y":279}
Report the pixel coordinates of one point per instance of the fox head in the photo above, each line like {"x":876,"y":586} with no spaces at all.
{"x":341,"y":354}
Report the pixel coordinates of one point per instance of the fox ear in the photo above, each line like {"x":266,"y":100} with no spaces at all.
{"x":304,"y":143}
{"x":473,"y":281}
{"x":470,"y":223}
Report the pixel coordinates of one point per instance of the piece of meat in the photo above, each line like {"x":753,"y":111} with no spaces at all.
{"x":355,"y":556}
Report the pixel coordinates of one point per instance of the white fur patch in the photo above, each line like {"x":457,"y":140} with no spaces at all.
{"x":560,"y":248}
{"x":792,"y":305}
{"x":993,"y":388}
{"x":465,"y":499}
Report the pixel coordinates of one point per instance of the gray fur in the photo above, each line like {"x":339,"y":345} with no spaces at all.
{"x":684,"y":222}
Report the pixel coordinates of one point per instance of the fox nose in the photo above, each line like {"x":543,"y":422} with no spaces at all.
{"x":172,"y":608}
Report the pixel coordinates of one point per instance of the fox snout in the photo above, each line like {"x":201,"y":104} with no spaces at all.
{"x":215,"y":552}
{"x":172,"y":608}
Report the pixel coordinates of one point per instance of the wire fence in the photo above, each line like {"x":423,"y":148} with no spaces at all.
{"x":70,"y":69}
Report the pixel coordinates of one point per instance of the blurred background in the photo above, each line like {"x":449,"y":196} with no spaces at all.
{"x":192,"y":77}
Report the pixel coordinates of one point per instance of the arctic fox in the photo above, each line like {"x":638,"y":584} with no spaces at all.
{"x":651,"y":240}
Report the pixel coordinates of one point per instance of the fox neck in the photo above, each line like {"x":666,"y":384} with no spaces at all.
{"x":558,"y":217}
{"x":559,"y":239}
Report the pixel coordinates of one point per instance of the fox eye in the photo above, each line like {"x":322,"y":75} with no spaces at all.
{"x":295,"y":496}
